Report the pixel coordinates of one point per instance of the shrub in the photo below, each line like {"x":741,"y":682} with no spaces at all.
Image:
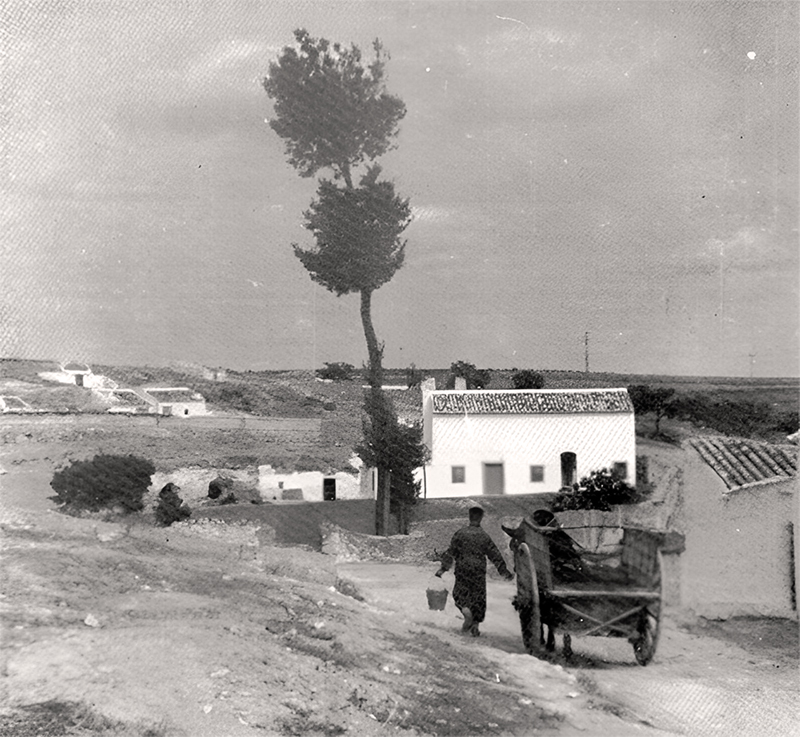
{"x":337,"y":371}
{"x":599,"y":490}
{"x":527,"y":379}
{"x":105,"y":481}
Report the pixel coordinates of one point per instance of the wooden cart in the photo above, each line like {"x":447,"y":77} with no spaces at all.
{"x":614,"y":591}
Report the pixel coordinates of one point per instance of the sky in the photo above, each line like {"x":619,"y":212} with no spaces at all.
{"x":626,"y":170}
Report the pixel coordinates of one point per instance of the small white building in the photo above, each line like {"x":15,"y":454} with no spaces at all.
{"x":77,"y":372}
{"x":524,"y":441}
{"x":740,"y":503}
{"x":176,"y":401}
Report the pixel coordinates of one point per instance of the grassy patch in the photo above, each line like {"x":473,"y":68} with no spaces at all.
{"x":56,"y":718}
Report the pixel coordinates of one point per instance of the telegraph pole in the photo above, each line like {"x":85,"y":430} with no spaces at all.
{"x":586,"y":350}
{"x":752,"y":361}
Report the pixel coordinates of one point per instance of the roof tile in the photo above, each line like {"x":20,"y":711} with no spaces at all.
{"x":532,"y":401}
{"x":740,"y":461}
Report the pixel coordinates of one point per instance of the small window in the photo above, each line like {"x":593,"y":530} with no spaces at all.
{"x":186,"y":411}
{"x":537,"y":474}
{"x":459,"y":475}
{"x":620,"y":470}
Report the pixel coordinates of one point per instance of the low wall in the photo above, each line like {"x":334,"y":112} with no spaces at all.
{"x":300,"y":523}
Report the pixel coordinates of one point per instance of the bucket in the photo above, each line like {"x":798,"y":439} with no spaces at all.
{"x":437,"y":594}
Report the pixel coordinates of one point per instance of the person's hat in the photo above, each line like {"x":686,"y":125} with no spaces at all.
{"x":476,"y":509}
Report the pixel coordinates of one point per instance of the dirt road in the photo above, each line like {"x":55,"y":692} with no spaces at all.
{"x":738,"y":678}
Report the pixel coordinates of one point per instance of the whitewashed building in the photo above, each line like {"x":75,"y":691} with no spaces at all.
{"x":524,"y":441}
{"x":176,"y":401}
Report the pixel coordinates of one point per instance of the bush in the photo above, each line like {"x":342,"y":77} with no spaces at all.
{"x":104,"y":482}
{"x":337,"y":371}
{"x":599,"y":490}
{"x":527,"y":379}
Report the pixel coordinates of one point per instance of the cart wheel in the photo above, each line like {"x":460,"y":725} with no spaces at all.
{"x":528,"y":600}
{"x":644,"y":648}
{"x":567,"y":649}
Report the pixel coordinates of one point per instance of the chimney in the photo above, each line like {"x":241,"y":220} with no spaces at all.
{"x":461,"y":384}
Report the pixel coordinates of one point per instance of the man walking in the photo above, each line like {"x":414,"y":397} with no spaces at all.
{"x":469,"y":548}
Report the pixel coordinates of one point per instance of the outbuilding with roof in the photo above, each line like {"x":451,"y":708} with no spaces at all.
{"x":740,"y":510}
{"x":525,"y":441}
{"x":176,"y":401}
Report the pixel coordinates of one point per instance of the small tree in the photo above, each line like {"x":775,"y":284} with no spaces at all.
{"x":104,"y":482}
{"x":599,"y":490}
{"x":413,"y":376}
{"x":476,"y":378}
{"x":659,"y":401}
{"x":527,"y":379}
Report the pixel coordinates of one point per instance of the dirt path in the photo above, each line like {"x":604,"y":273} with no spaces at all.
{"x":737,"y":678}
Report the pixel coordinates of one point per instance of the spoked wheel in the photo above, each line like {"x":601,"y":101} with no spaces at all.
{"x":527,"y":600}
{"x":644,"y":647}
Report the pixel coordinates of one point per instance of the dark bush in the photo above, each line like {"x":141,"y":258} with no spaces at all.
{"x":337,"y":371}
{"x":599,"y":490}
{"x":527,"y":379}
{"x":104,"y":482}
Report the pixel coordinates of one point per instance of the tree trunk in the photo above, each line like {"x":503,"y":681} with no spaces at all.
{"x":374,"y":351}
{"x":382,"y":502}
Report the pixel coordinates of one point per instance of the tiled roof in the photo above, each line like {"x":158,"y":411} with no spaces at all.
{"x":532,"y":401}
{"x":738,"y":461}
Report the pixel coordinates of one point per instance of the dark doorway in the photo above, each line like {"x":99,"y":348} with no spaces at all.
{"x":569,"y":469}
{"x":329,"y":490}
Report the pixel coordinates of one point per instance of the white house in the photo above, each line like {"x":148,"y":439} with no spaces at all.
{"x":177,"y":401}
{"x":524,"y":441}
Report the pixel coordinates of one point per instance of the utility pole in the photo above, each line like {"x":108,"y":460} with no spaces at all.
{"x":752,"y":361}
{"x":586,"y":350}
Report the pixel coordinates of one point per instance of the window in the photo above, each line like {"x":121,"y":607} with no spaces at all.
{"x":537,"y":474}
{"x":620,"y":470}
{"x":458,"y":474}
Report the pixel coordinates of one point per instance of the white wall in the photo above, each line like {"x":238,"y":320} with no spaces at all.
{"x":737,"y":560}
{"x":520,"y":441}
{"x":348,"y":486}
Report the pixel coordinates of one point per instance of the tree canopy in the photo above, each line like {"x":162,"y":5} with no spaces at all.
{"x":357,"y":232}
{"x":331,"y":110}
